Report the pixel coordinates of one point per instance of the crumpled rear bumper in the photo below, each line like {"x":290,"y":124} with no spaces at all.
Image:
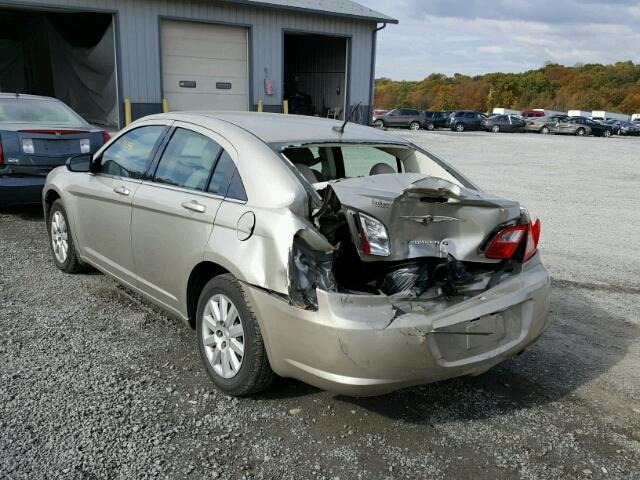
{"x":363,"y":345}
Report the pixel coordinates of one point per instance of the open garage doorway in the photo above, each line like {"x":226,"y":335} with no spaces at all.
{"x":69,"y":56}
{"x":315,"y":79}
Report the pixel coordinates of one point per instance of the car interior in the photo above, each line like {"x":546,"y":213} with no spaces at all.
{"x":323,"y":163}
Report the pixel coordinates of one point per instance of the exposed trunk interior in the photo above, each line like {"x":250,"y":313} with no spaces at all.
{"x":396,"y":221}
{"x":432,"y":280}
{"x":314,"y":74}
{"x":69,"y":56}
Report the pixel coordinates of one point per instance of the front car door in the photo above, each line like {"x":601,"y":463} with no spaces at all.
{"x":517,"y":123}
{"x":103,"y":205}
{"x":393,"y":118}
{"x":174,"y":211}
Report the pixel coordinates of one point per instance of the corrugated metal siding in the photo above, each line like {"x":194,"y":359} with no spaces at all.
{"x":139,"y":49}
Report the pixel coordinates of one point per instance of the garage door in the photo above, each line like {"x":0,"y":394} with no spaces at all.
{"x":204,"y":66}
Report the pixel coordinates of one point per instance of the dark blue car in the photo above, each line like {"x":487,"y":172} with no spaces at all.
{"x":38,"y":134}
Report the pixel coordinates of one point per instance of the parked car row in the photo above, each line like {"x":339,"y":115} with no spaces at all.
{"x":534,"y":121}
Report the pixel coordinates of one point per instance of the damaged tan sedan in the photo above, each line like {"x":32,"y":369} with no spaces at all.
{"x":339,"y":255}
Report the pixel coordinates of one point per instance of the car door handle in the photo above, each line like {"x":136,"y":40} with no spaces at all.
{"x":194,"y":206}
{"x":122,"y":190}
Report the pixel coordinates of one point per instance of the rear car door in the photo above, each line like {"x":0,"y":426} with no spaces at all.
{"x":471,"y":120}
{"x":103,"y":206}
{"x":174,"y":210}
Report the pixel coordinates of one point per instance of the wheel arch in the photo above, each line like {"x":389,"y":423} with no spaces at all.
{"x":200,"y":275}
{"x":49,"y":197}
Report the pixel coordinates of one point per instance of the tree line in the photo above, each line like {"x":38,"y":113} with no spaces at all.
{"x":614,"y":87}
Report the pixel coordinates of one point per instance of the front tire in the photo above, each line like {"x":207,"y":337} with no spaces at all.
{"x":581,"y":132}
{"x":495,"y":129}
{"x":606,"y":133}
{"x":414,"y":126}
{"x":229,"y":339}
{"x":460,"y":127}
{"x":63,"y":249}
{"x":431,"y":127}
{"x":378,"y":124}
{"x":545,"y":130}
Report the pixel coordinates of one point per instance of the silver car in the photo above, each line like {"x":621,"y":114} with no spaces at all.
{"x":341,"y":256}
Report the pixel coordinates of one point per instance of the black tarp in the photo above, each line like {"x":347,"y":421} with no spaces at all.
{"x":67,"y":56}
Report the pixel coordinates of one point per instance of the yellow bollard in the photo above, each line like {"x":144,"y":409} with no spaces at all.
{"x":260,"y":107}
{"x":285,"y":107}
{"x":127,"y":112}
{"x":165,"y":105}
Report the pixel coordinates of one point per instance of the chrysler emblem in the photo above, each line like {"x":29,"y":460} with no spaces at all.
{"x":429,"y":219}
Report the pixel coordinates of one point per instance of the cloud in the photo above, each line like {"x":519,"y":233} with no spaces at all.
{"x":473,"y":37}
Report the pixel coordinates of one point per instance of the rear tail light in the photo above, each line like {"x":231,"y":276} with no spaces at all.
{"x":507,"y":242}
{"x":105,"y":136}
{"x":375,"y":240}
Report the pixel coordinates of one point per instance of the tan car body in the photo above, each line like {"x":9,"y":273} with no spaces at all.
{"x":353,"y":344}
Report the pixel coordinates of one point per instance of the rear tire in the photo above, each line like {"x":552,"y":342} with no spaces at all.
{"x":254,"y":373}
{"x":414,"y":126}
{"x":460,"y":127}
{"x":545,"y":131}
{"x":606,"y":133}
{"x":378,"y":124}
{"x":431,"y":127}
{"x":581,"y":132}
{"x":495,"y":129}
{"x":61,"y":243}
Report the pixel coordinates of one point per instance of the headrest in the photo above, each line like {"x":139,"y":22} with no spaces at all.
{"x":379,"y":168}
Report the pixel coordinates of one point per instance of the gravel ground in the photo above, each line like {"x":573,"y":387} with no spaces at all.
{"x":97,"y":383}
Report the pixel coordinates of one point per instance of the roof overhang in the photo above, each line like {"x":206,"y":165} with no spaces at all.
{"x":334,"y":8}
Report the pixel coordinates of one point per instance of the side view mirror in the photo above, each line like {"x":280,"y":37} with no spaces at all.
{"x":80,"y":163}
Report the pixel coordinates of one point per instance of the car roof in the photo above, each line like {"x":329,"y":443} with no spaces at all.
{"x":276,"y":128}
{"x":25,"y":96}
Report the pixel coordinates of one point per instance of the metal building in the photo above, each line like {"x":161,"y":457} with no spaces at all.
{"x":319,"y":55}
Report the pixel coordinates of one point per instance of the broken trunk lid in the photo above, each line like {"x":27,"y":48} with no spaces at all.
{"x":425,"y":216}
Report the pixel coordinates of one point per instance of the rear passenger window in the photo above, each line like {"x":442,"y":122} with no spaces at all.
{"x":127,"y":157}
{"x":187,"y":160}
{"x":226,"y":180}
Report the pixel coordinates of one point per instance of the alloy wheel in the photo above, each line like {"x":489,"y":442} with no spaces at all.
{"x":495,"y":129}
{"x":414,"y":126}
{"x":223,"y":336}
{"x":431,"y":126}
{"x":607,"y":133}
{"x":59,"y":237}
{"x":460,"y":127}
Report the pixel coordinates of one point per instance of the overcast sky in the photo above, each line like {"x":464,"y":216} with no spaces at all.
{"x":480,"y":36}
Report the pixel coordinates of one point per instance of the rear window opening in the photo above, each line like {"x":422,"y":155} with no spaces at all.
{"x":323,"y":163}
